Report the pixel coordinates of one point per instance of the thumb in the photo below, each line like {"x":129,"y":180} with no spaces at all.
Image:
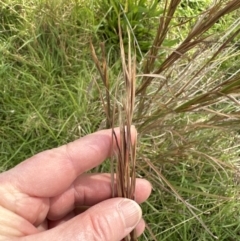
{"x":110,"y":220}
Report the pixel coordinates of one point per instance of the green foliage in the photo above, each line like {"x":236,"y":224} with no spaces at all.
{"x":46,"y":82}
{"x":138,"y":15}
{"x":194,"y":6}
{"x":10,"y":19}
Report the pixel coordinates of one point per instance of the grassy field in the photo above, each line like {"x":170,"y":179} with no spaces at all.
{"x":187,"y":117}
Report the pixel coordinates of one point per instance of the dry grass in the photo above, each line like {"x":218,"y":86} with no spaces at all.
{"x":123,"y":161}
{"x":189,"y":83}
{"x":126,"y":154}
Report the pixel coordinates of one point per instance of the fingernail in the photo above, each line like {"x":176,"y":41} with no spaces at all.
{"x":131,"y":211}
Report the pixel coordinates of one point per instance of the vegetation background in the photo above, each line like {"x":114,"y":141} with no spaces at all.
{"x":187,"y":100}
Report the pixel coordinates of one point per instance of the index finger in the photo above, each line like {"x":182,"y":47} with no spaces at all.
{"x":50,"y":172}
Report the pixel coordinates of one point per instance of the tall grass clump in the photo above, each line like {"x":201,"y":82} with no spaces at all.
{"x":187,"y":116}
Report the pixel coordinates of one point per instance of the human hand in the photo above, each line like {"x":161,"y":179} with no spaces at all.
{"x":39,"y":198}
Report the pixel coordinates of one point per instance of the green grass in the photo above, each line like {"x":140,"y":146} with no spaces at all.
{"x":46,"y":80}
{"x":48,"y":97}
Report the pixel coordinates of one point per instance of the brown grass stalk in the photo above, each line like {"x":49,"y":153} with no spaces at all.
{"x":126,"y":153}
{"x":103,"y":71}
{"x":195,"y":37}
{"x":123,"y":160}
